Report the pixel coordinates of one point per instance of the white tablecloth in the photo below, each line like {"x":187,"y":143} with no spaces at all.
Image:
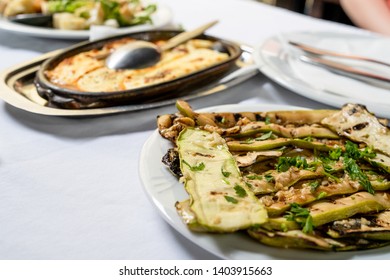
{"x":69,"y":188}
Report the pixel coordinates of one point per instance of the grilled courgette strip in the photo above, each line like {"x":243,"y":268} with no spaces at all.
{"x":323,"y":212}
{"x":278,"y":143}
{"x":356,"y":123}
{"x":300,"y":117}
{"x":375,"y":227}
{"x":310,"y":191}
{"x":295,"y":239}
{"x":219,"y":198}
{"x":256,"y":128}
{"x":298,"y":239}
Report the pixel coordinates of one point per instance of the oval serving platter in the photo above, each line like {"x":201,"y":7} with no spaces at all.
{"x":17,"y":87}
{"x":68,"y":98}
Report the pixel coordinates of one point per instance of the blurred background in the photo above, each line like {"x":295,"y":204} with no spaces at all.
{"x":324,"y":9}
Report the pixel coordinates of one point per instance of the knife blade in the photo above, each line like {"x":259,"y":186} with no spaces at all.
{"x":348,"y":71}
{"x":322,"y":52}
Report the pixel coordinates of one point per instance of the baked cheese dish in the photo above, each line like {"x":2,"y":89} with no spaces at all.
{"x":87,"y":72}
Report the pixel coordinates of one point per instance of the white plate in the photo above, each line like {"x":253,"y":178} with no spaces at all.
{"x":279,"y":62}
{"x":162,"y":17}
{"x":164,"y":190}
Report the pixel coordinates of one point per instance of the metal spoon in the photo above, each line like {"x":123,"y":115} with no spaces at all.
{"x":142,"y":54}
{"x":33,"y":19}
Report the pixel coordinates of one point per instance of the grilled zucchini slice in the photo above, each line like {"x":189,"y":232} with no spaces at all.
{"x":219,"y":198}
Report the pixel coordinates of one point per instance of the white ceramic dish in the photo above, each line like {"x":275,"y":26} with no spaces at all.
{"x":280,"y":62}
{"x":162,"y":17}
{"x":164,"y":190}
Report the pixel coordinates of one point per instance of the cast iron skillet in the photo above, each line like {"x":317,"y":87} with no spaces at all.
{"x":73,"y":99}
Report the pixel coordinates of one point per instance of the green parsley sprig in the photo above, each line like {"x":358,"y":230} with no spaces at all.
{"x":198,"y":167}
{"x":301,"y":216}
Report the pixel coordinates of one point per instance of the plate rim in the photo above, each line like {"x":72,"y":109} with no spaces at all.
{"x":207,"y":241}
{"x":299,"y":86}
{"x":51,"y":33}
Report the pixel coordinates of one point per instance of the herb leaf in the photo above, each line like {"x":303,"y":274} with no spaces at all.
{"x":352,"y":150}
{"x":198,"y":167}
{"x":254,"y":177}
{"x":240,"y":191}
{"x":269,"y":178}
{"x":356,"y":173}
{"x":265,"y":136}
{"x":308,"y":226}
{"x":335,"y":154}
{"x":284,"y":163}
{"x":322,"y":195}
{"x":314,"y":185}
{"x":225,"y":173}
{"x":301,"y":216}
{"x":231,"y":199}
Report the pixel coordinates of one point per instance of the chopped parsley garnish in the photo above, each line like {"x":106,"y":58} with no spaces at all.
{"x":322,"y":195}
{"x":350,"y":156}
{"x":248,"y":141}
{"x":301,"y":216}
{"x":356,"y":173}
{"x":308,"y":139}
{"x":352,"y":151}
{"x":328,"y":168}
{"x":254,"y":177}
{"x":308,"y":225}
{"x":226,"y":181}
{"x":240,"y":191}
{"x":225,"y":173}
{"x":284,"y":163}
{"x":335,"y":154}
{"x":267,"y":120}
{"x":231,"y":199}
{"x":334,"y":178}
{"x":314,"y":185}
{"x":269,"y":178}
{"x":265,"y":136}
{"x":198,"y":167}
{"x":368,"y":152}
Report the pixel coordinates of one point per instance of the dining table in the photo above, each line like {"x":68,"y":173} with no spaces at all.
{"x":70,"y":187}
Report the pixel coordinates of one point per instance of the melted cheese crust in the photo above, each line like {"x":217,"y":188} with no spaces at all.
{"x":87,"y":72}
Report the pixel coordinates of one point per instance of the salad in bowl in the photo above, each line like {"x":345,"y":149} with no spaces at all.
{"x":82,"y":14}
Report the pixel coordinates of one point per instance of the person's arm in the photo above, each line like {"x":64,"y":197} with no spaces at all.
{"x":373,"y":15}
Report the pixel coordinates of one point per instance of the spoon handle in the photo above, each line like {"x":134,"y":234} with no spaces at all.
{"x":185,"y":36}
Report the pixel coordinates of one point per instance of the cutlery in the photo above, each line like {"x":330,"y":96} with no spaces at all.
{"x":142,"y":54}
{"x":348,"y":71}
{"x":37,"y":19}
{"x":322,"y":52}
